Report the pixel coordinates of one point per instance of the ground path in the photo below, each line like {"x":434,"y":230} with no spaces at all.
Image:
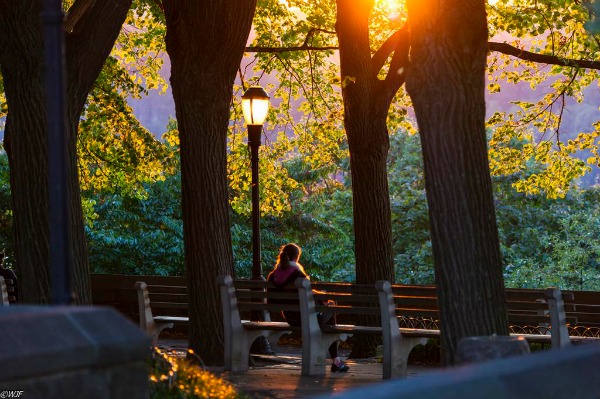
{"x":279,"y":376}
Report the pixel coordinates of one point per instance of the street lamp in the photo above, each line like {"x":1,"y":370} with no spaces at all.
{"x":255,"y":104}
{"x":61,"y":262}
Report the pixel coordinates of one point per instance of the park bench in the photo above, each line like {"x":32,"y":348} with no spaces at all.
{"x":7,"y":291}
{"x":165,"y":297}
{"x":530,"y":311}
{"x":416,"y":306}
{"x":249,"y":297}
{"x":364,"y":300}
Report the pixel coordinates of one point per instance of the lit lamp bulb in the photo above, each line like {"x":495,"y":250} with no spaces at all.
{"x":255,"y":104}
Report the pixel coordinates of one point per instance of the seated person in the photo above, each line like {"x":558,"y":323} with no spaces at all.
{"x":285,"y":272}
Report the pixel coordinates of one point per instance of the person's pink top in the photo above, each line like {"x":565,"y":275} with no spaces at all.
{"x":283,"y":277}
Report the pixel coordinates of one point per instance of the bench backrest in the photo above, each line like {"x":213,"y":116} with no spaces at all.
{"x":246,"y":296}
{"x":416,"y":305}
{"x":119,"y":292}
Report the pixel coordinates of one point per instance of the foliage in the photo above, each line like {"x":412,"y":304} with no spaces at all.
{"x":544,"y":241}
{"x":549,"y":242}
{"x":3,"y":105}
{"x":320,"y":221}
{"x":543,"y":27}
{"x":306,"y":115}
{"x":139,"y":234}
{"x":173,"y":378}
{"x":116,"y":153}
{"x":410,"y":218}
{"x":552,"y":28}
{"x":132,"y":187}
{"x":6,"y":237}
{"x":134,"y":235}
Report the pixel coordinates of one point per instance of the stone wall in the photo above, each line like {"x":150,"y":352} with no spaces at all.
{"x":71,"y":352}
{"x":569,"y":373}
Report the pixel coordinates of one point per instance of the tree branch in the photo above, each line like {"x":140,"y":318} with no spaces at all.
{"x":304,"y":47}
{"x":311,"y":33}
{"x":385,"y":50}
{"x":76,"y":12}
{"x":396,"y":75}
{"x":508,"y":49}
{"x":95,"y":29}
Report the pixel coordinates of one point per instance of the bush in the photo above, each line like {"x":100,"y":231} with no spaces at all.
{"x":173,"y":378}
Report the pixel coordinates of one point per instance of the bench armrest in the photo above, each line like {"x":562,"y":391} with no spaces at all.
{"x":558,"y":319}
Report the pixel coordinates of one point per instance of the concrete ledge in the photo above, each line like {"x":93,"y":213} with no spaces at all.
{"x":571,"y":372}
{"x":45,"y":340}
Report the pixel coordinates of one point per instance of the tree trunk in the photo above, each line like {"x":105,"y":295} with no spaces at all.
{"x":205,"y":41}
{"x":97,"y":26}
{"x":446,"y":81}
{"x":22,"y":63}
{"x":365,"y":112}
{"x":22,"y":60}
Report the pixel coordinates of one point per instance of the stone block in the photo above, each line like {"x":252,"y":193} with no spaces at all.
{"x":566,"y":373}
{"x":72,"y":352}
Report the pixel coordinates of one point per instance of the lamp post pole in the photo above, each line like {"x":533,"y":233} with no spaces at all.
{"x":254,"y":132}
{"x":255,"y":104}
{"x":58,"y":185}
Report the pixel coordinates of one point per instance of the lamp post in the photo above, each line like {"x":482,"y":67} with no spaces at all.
{"x":255,"y":104}
{"x":58,"y":186}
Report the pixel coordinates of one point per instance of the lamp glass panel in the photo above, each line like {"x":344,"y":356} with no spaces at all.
{"x":255,"y":110}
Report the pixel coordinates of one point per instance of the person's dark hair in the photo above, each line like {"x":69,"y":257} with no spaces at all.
{"x":288,"y":253}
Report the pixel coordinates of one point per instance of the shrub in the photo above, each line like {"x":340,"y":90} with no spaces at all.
{"x":173,"y":378}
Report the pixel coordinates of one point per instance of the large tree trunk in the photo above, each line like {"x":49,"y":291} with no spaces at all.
{"x":366,"y":104}
{"x":21,"y":60}
{"x":205,"y":41}
{"x":445,"y":80}
{"x":92,"y":26}
{"x":365,"y":116}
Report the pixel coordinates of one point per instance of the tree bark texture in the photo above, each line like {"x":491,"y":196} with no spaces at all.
{"x":446,"y":82}
{"x":365,"y":115}
{"x":205,"y":42}
{"x":25,"y":141}
{"x":88,"y":44}
{"x":96,"y":28}
{"x":366,"y":104}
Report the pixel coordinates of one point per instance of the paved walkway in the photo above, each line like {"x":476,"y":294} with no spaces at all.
{"x":279,"y":376}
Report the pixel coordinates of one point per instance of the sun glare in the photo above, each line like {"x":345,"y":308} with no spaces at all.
{"x":392,"y":8}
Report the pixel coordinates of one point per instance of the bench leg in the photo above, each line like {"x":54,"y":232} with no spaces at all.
{"x":158,"y":327}
{"x":399,"y":357}
{"x":315,"y":351}
{"x":237,"y":360}
{"x":273,"y":336}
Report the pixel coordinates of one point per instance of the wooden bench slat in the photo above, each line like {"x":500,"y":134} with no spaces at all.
{"x":170,"y":305}
{"x":172,"y":319}
{"x":273,"y":325}
{"x":276,"y":307}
